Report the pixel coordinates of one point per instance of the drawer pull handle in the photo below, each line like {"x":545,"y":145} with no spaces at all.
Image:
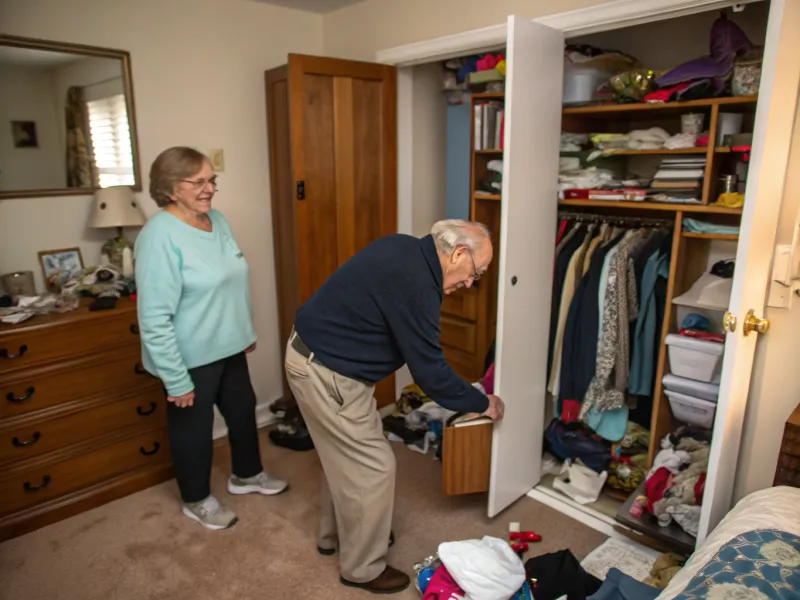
{"x":135,"y":329}
{"x":149,"y":411}
{"x":29,"y":487}
{"x":139,"y":369}
{"x":34,"y":438}
{"x":14,"y":400}
{"x":4,"y":353}
{"x":156,"y":448}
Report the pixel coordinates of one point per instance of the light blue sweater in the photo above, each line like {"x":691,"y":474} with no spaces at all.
{"x":193,"y":297}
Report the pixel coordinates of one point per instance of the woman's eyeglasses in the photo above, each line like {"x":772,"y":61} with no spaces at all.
{"x":201,"y":183}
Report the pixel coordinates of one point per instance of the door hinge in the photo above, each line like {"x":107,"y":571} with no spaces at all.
{"x":301,"y":190}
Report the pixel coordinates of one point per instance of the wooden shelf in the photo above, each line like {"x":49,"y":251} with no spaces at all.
{"x":711,"y":236}
{"x":695,"y":150}
{"x":656,"y":106}
{"x":490,"y":96}
{"x":697,"y":208}
{"x":491,"y":151}
{"x":495,"y":197}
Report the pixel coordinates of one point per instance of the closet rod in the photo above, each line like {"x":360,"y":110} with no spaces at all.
{"x":614,"y":219}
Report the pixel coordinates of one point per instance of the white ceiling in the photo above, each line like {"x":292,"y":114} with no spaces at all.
{"x":29,"y":57}
{"x":317,"y":6}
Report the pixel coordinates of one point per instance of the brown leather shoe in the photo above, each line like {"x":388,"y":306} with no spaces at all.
{"x":391,"y":581}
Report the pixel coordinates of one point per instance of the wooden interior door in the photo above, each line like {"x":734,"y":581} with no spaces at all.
{"x":344,"y":164}
{"x":534,"y":75}
{"x":774,"y":125}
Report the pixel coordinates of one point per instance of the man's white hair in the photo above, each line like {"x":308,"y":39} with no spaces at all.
{"x":449,"y":234}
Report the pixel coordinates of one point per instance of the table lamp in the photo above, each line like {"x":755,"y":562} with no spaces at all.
{"x":116,"y":206}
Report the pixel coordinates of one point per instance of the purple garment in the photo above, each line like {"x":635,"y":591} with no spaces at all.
{"x":727,"y":41}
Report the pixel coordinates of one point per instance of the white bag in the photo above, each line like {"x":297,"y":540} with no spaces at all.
{"x":485,"y":569}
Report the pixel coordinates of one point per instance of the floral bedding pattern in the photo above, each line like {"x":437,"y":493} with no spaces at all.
{"x":757,"y":565}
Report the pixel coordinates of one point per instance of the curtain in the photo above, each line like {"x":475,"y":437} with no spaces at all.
{"x":80,"y":165}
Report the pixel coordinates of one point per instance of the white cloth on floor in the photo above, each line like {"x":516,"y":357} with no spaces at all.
{"x":485,"y":569}
{"x":580,"y":483}
{"x":430,"y":411}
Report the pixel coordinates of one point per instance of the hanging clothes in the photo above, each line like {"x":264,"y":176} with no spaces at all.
{"x":571,"y":242}
{"x":578,"y":357}
{"x":607,"y":388}
{"x":573,"y":275}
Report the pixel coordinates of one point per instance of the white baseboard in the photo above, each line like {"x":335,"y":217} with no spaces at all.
{"x":264,"y":418}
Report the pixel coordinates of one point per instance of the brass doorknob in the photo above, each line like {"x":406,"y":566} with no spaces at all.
{"x":729,"y":322}
{"x":753,"y":323}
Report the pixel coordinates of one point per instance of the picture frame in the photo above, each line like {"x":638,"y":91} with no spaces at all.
{"x":58,"y":265}
{"x":24,"y":134}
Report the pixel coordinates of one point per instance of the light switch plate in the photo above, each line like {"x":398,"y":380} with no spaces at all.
{"x":217,"y":159}
{"x":780,"y":284}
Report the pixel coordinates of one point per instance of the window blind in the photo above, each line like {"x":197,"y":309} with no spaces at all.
{"x":111,"y":140}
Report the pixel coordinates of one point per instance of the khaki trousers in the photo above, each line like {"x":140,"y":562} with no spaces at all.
{"x":357,"y":494}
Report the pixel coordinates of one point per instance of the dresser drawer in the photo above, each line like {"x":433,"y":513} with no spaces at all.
{"x":463,"y":303}
{"x":107,"y":375}
{"x":144,"y":410}
{"x":458,"y":334}
{"x":30,"y":486}
{"x":37,"y":345}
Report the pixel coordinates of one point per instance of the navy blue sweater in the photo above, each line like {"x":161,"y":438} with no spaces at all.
{"x":379,"y":310}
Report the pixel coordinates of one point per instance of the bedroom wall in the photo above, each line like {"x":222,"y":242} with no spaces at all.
{"x":198,"y":79}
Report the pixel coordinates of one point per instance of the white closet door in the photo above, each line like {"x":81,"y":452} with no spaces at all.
{"x":774,"y":124}
{"x":534,"y":73}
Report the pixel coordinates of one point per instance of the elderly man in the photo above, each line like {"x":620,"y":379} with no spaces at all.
{"x":378,"y":311}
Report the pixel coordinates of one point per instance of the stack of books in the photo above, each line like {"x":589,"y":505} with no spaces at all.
{"x":489,"y":123}
{"x":680,"y":176}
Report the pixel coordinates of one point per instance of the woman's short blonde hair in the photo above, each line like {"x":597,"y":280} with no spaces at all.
{"x":172,"y":165}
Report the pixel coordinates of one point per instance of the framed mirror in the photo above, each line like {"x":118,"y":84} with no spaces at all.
{"x":67,"y":119}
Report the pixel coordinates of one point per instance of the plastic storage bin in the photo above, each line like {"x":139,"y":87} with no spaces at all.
{"x":694,"y":359}
{"x":692,"y":410}
{"x":691,"y":387}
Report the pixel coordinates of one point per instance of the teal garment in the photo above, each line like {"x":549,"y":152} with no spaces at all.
{"x":608,"y":424}
{"x":193,"y":298}
{"x":695,"y":226}
{"x":643,"y":345}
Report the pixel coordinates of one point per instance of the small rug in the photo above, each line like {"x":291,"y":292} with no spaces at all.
{"x":626,"y":555}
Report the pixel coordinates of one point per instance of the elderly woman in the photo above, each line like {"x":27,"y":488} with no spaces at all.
{"x":196,"y":329}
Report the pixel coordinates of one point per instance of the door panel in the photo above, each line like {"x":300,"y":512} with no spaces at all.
{"x":774,"y":124}
{"x":527,"y":243}
{"x":344,"y":149}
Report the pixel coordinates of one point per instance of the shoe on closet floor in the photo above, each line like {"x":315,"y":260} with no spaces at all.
{"x":257,"y":484}
{"x":332,"y":551}
{"x":210,"y":513}
{"x":391,"y":581}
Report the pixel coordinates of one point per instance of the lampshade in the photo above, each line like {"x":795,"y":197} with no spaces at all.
{"x":115,"y":207}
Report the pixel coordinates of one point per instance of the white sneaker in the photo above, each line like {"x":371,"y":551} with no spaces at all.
{"x":210,"y":513}
{"x":258,"y":484}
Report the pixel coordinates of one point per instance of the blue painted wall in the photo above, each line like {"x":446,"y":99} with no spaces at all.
{"x":457,"y":162}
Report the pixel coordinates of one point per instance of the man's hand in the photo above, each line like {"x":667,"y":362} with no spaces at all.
{"x":182,"y":401}
{"x":496,"y":408}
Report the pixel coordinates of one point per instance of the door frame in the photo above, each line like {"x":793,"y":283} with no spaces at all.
{"x":605,"y":16}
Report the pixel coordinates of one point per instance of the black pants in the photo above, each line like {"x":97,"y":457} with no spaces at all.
{"x":225,"y":383}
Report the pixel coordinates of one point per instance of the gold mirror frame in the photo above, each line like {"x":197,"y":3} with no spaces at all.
{"x":127,"y":82}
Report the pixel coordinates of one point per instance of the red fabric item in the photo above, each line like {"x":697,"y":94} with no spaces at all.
{"x":702,"y":335}
{"x":698,"y":489}
{"x":656,"y":485}
{"x":442,"y":586}
{"x":570,"y":409}
{"x":702,"y":140}
{"x":561,"y":228}
{"x":488,"y":380}
{"x":665,"y":94}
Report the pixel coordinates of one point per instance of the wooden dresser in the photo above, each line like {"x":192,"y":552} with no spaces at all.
{"x":81,"y":422}
{"x":788,"y":470}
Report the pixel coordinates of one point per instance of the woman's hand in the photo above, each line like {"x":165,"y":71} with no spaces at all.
{"x":182,"y":401}
{"x":250,"y":348}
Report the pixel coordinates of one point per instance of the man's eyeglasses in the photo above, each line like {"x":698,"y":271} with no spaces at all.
{"x":201,"y":183}
{"x":475,"y":274}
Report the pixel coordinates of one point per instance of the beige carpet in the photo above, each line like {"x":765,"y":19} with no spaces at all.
{"x":142,"y":548}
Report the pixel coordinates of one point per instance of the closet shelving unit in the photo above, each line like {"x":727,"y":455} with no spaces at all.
{"x":690,"y":251}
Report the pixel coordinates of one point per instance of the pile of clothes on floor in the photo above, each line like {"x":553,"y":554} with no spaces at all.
{"x":674,"y":485}
{"x":290,"y":430}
